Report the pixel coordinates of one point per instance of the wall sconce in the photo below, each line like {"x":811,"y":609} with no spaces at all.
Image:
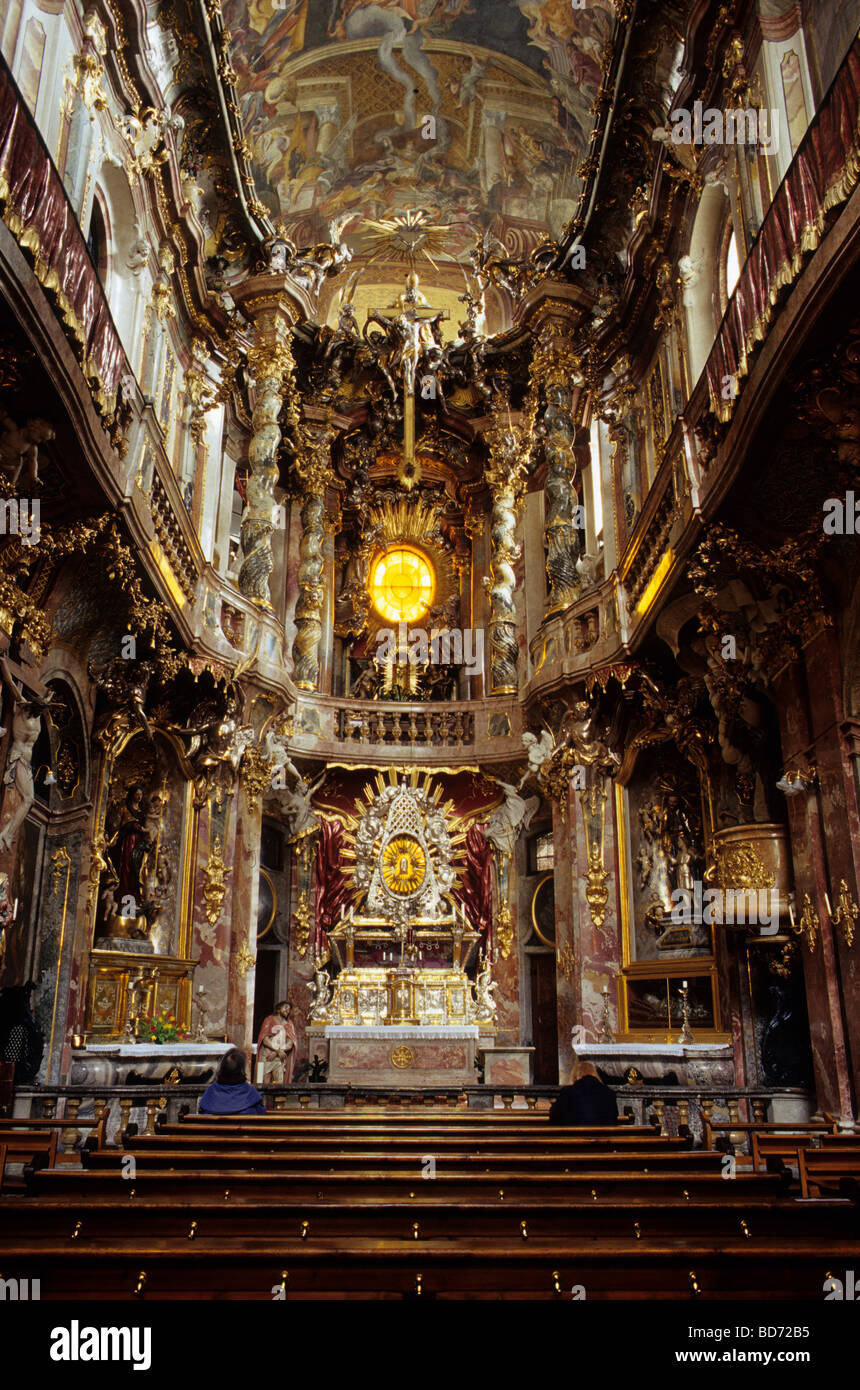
{"x":794,"y":781}
{"x":809,"y":923}
{"x":846,"y":913}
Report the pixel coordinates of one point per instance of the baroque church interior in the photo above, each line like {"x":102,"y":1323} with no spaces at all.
{"x":430,"y":600}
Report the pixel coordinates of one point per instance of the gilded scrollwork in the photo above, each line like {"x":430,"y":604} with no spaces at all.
{"x":215,"y":876}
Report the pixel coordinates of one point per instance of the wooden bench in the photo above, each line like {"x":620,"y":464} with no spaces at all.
{"x":829,"y":1170}
{"x":35,"y":1151}
{"x":714,"y":1127}
{"x":475,"y":1120}
{"x":333,"y":1211}
{"x":189,"y":1184}
{"x":777,"y":1149}
{"x":98,"y":1126}
{"x":410,"y":1146}
{"x":615,"y":1268}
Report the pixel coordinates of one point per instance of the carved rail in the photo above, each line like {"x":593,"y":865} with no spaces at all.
{"x":154,"y":1103}
{"x":398,"y":725}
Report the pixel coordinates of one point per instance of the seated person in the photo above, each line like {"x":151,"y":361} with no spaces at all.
{"x":586,"y":1101}
{"x":231,"y":1093}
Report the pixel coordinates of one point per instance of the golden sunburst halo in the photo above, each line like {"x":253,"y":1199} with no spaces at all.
{"x":404,"y":865}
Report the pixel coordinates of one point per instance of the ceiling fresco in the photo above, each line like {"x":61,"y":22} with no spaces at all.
{"x":477,"y":113}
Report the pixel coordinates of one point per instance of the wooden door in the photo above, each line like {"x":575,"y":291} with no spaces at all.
{"x":544,"y":1019}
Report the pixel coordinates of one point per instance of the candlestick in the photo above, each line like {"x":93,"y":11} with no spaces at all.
{"x":605,"y":1035}
{"x":791,"y":912}
{"x":686,"y":1033}
{"x":827,"y":904}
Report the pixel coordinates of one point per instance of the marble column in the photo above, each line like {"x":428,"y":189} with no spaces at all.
{"x":820,"y":825}
{"x":243,"y":921}
{"x":567,"y":929}
{"x":313,"y":465}
{"x":510,"y":446}
{"x":270,"y":302}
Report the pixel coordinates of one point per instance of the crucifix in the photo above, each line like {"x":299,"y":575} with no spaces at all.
{"x":415,"y":322}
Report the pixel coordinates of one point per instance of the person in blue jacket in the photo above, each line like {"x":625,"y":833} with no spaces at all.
{"x":231,"y":1093}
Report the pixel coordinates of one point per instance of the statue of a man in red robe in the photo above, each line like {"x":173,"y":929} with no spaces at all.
{"x":276,"y":1047}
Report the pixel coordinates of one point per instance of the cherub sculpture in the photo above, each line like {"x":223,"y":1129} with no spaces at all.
{"x":19,"y":449}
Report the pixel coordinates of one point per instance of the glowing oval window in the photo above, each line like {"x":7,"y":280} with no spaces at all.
{"x":402,"y":585}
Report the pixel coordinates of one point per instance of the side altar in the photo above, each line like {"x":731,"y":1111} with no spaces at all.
{"x":402,"y":993}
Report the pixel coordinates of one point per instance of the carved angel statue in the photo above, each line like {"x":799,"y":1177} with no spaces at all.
{"x":321,"y":994}
{"x":296,"y":802}
{"x":217,"y":743}
{"x":538,"y":750}
{"x":508,"y":821}
{"x":26,"y":727}
{"x":275,"y":752}
{"x":581,"y":732}
{"x":485,"y":988}
{"x":125,"y":685}
{"x":493,"y":265}
{"x":19,"y":449}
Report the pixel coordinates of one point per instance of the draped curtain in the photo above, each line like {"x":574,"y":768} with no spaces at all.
{"x":475,"y":893}
{"x":332,"y":892}
{"x":37,"y":211}
{"x":823,"y":174}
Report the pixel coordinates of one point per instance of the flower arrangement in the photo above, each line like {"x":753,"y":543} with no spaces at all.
{"x":160,"y":1027}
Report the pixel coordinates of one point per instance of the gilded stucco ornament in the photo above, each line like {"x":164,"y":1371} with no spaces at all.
{"x":215,"y":875}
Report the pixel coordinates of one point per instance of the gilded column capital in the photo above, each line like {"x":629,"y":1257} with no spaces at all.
{"x":313,"y":456}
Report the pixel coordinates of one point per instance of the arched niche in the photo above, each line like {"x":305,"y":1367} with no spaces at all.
{"x":144,"y":834}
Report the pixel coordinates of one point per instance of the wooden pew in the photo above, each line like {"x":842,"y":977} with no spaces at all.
{"x":546,"y":1146}
{"x":713,"y":1128}
{"x":324,"y":1161}
{"x":753,"y":1213}
{"x":34,"y":1150}
{"x":829,"y":1170}
{"x":2,"y":1162}
{"x":631,"y":1268}
{"x":779,"y":1149}
{"x":189,"y":1184}
{"x":345,"y":1119}
{"x":346,"y":1212}
{"x":98,"y":1126}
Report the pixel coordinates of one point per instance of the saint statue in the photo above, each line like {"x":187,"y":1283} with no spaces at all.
{"x":276,"y":1047}
{"x":26,"y":727}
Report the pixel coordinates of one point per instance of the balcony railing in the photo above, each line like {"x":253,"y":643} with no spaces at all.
{"x":38,"y":213}
{"x":822,"y":175}
{"x":451,"y":726}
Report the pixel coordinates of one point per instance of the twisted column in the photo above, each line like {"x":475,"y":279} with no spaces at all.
{"x":270,"y":365}
{"x":563,"y":538}
{"x":313,"y":465}
{"x":272,"y":305}
{"x":510,"y":445}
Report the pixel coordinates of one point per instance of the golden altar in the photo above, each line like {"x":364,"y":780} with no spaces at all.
{"x":393,"y":997}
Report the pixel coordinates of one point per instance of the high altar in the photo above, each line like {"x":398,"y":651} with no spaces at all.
{"x":402,"y":1008}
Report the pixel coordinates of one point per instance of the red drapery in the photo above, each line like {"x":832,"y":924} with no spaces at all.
{"x":476,"y":885}
{"x":823,"y":174}
{"x":332,"y":892}
{"x":40,"y":217}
